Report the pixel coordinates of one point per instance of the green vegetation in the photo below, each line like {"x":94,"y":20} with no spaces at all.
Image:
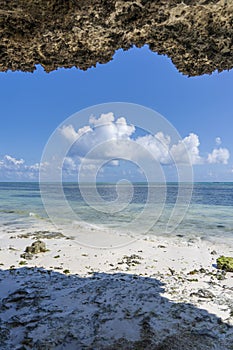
{"x":225,"y":263}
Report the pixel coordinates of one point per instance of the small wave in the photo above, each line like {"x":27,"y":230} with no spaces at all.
{"x":89,"y":226}
{"x":36,"y":216}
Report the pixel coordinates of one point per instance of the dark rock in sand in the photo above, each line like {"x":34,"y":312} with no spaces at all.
{"x":203,"y":293}
{"x":27,"y":256}
{"x":36,"y":247}
{"x":42,"y":235}
{"x":213,"y":252}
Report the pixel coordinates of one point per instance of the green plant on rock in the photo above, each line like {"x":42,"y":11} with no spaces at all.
{"x":225,"y":263}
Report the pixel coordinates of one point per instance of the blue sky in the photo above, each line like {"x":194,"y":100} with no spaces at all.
{"x":33,"y":105}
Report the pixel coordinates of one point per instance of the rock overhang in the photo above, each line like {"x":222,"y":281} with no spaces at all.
{"x":196,"y":35}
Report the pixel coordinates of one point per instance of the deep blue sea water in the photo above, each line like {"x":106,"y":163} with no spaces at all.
{"x":209,"y":215}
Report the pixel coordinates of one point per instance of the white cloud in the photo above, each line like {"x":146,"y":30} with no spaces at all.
{"x":157,"y":145}
{"x":114,"y":162}
{"x":189,"y":146}
{"x":16,"y":169}
{"x":69,"y":166}
{"x":100,"y":130}
{"x":71,"y":135}
{"x":103,"y":119}
{"x":218,"y":141}
{"x":106,"y":128}
{"x":219,"y":156}
{"x":125,"y":143}
{"x":11,"y":162}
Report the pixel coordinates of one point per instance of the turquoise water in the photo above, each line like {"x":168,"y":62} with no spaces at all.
{"x":209,"y":215}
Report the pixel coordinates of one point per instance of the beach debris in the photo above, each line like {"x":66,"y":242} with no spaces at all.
{"x":202,"y":270}
{"x":42,"y":235}
{"x":203,"y":293}
{"x":193,"y":272}
{"x":213,"y":252}
{"x":12,"y":248}
{"x":26,"y":256}
{"x":172,"y":271}
{"x":131,"y":260}
{"x":221,"y":275}
{"x":192,"y":279}
{"x":225,"y":263}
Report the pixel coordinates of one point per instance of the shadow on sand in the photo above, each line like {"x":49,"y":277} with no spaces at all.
{"x":43,"y":309}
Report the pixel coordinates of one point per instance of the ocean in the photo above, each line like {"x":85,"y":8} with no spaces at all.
{"x":208,"y":216}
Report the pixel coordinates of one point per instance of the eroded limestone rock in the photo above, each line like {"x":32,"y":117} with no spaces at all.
{"x":197,"y":35}
{"x":36,"y":247}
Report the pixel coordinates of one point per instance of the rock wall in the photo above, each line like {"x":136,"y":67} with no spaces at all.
{"x":196,"y":35}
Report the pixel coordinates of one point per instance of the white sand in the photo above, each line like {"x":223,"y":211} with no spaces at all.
{"x":142,"y":292}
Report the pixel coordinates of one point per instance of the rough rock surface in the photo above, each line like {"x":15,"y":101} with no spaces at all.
{"x":36,"y":247}
{"x":225,"y":263}
{"x":45,"y":310}
{"x":196,"y":35}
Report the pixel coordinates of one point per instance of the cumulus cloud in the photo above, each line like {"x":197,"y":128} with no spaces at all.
{"x":11,"y":163}
{"x":99,"y":130}
{"x":69,"y":165}
{"x":16,"y":169}
{"x":218,"y":141}
{"x":71,"y":135}
{"x":106,"y":128}
{"x":157,"y":145}
{"x":188,"y":147}
{"x":125,"y":142}
{"x":219,"y":156}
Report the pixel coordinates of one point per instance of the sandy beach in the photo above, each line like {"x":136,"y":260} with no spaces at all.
{"x":156,"y":293}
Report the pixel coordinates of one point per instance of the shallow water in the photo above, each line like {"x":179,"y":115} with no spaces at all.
{"x":209,"y":215}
